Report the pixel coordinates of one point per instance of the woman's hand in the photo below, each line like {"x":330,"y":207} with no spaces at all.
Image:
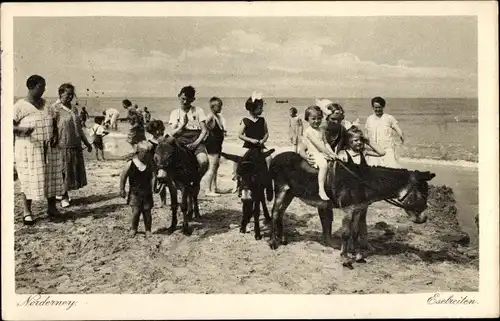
{"x":254,"y":141}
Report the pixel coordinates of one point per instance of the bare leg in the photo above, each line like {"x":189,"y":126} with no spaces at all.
{"x":213,"y":164}
{"x":136,"y":212}
{"x":148,"y":220}
{"x":321,"y":182}
{"x":96,"y":152}
{"x":102,"y":153}
{"x":27,"y":215}
{"x":235,"y":168}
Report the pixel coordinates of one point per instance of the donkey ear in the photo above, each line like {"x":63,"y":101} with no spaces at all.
{"x":269,"y":152}
{"x":231,"y":157}
{"x":425,"y":176}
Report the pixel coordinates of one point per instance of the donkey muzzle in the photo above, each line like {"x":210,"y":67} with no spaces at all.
{"x":162,"y":173}
{"x":246,"y":194}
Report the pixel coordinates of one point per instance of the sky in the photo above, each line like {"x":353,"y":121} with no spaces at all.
{"x":233,"y":56}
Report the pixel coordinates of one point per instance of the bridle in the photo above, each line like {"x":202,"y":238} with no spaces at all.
{"x":399,"y":202}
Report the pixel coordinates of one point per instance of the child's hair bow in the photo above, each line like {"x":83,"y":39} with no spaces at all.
{"x":256,"y":96}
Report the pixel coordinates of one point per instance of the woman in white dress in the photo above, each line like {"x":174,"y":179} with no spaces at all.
{"x":379,"y":127}
{"x":38,"y":162}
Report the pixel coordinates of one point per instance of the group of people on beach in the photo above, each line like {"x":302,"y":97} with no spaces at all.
{"x":49,"y":159}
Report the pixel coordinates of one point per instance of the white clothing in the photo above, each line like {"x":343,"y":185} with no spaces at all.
{"x":319,"y":158}
{"x":195,"y":116}
{"x":379,"y":131}
{"x":97,"y":129}
{"x":111,"y":116}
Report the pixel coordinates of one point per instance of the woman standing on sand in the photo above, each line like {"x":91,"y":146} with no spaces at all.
{"x":379,"y":127}
{"x":71,"y":136}
{"x":38,"y":162}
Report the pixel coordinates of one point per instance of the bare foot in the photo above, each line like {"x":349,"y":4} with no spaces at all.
{"x":148,"y":234}
{"x":132,"y":233}
{"x":323,"y":196}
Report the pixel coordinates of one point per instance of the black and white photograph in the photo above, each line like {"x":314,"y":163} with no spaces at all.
{"x":278,"y":148}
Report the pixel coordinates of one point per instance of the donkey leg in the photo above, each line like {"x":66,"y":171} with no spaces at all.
{"x":184,"y":209}
{"x":326,"y":217}
{"x":267,"y":217}
{"x":363,"y":236}
{"x":247,"y":208}
{"x":256,"y":216}
{"x":174,"y":205}
{"x":345,"y":232}
{"x":196,"y":208}
{"x":283,"y":198}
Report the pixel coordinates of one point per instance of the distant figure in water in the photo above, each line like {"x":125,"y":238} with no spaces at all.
{"x":111,"y":118}
{"x":216,"y":132}
{"x":139,"y":172}
{"x":295,"y":128}
{"x":379,"y":127}
{"x":98,"y":132}
{"x":83,"y":116}
{"x":146,"y":115}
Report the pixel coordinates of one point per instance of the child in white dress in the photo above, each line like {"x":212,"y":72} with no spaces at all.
{"x":320,"y":150}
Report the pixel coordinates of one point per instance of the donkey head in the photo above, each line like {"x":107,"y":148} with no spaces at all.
{"x":414,"y":196}
{"x":252,"y":171}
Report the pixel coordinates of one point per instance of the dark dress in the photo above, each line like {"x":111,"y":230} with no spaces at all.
{"x":141,"y":189}
{"x":255,"y":130}
{"x":215,"y":138}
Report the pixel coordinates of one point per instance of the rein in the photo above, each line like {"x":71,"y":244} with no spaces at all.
{"x":396,"y":203}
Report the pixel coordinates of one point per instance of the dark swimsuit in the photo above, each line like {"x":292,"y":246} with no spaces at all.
{"x":255,"y":130}
{"x":140,"y":191}
{"x":214,"y":139}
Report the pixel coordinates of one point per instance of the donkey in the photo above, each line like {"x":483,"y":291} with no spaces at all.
{"x":177,"y":164}
{"x":253,"y":177}
{"x":350,"y":187}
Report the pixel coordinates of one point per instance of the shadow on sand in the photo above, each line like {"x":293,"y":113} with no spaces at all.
{"x":95,"y":212}
{"x":94,"y":199}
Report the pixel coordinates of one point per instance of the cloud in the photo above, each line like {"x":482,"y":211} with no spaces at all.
{"x":242,"y":60}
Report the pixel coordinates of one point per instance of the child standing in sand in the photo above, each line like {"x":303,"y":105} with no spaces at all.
{"x":98,"y":132}
{"x":317,"y":147}
{"x":139,"y":173}
{"x":253,"y":131}
{"x":379,"y":127}
{"x":213,"y":143}
{"x":295,"y":129}
{"x":356,"y":146}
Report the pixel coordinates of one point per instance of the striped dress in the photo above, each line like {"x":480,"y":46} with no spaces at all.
{"x":39,"y":166}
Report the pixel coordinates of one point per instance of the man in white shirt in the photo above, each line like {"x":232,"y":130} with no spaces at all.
{"x":188,"y":126}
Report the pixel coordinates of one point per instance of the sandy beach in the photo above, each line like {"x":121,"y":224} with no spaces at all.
{"x":88,"y":251}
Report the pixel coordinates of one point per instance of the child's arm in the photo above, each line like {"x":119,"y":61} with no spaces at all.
{"x":241,"y":134}
{"x":266,"y":134}
{"x":202,"y":136}
{"x":321,"y":145}
{"x":123,"y":179}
